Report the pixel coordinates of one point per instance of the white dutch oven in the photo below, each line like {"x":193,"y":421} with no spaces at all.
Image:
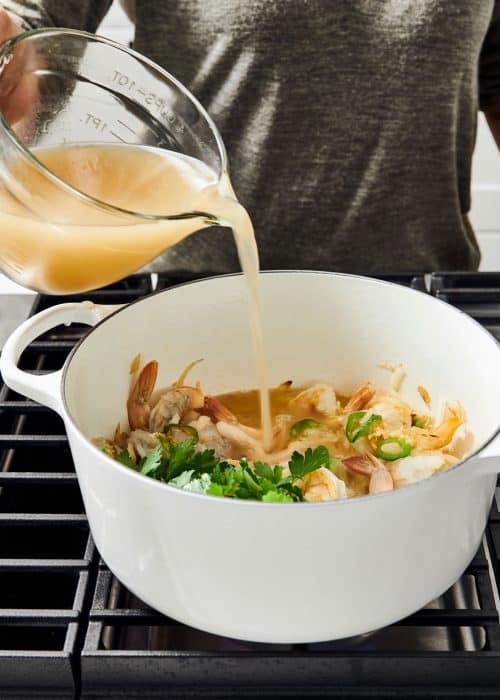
{"x":277,"y":572}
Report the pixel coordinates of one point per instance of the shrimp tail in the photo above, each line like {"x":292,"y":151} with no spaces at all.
{"x":215,"y":409}
{"x":138,"y":408}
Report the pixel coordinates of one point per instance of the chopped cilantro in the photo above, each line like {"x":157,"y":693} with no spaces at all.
{"x":124,"y":458}
{"x":151,"y":463}
{"x":277,"y":497}
{"x":301,"y":465}
{"x":187,"y":467}
{"x":179,"y":457}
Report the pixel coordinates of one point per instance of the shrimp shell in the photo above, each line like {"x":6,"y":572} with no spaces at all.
{"x":360,"y":398}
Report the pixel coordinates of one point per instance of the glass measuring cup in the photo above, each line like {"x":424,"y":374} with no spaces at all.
{"x":73,"y":89}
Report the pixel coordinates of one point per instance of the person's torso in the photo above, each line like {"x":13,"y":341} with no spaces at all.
{"x":349,"y":125}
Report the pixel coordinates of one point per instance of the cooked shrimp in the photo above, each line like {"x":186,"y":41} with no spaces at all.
{"x":281,"y":431}
{"x":323,"y":485}
{"x":360,"y":398}
{"x":138,"y":408}
{"x":381,"y":480}
{"x":142,"y":442}
{"x":410,"y":469}
{"x":319,"y":397}
{"x":434,"y":438}
{"x":172,"y":405}
{"x":240,"y":439}
{"x":368,"y":465}
{"x":359,"y":464}
{"x":216,"y":410}
{"x":396,"y":414}
{"x":461,"y":443}
{"x":210,"y":438}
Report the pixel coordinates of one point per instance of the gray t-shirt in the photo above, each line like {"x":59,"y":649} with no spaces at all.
{"x":349,"y":124}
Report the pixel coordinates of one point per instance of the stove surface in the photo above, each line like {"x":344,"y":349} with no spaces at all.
{"x":69,"y":629}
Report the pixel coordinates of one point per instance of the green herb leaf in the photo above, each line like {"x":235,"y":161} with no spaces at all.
{"x":291,"y":489}
{"x":180,"y":457}
{"x":277,"y":497}
{"x":251,"y":482}
{"x":205,"y":461}
{"x":124,"y":458}
{"x":263,"y":470}
{"x":215,"y":490}
{"x":183,"y":479}
{"x":149,"y":466}
{"x":300,"y":465}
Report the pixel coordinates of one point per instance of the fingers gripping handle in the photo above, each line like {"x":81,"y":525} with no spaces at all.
{"x":45,"y":389}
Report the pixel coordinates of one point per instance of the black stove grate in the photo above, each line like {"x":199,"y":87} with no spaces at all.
{"x":69,"y":629}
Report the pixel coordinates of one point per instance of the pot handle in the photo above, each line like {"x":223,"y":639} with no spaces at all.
{"x":45,"y":388}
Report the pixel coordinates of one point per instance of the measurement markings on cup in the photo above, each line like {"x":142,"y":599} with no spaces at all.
{"x":95,"y":121}
{"x":151,"y":99}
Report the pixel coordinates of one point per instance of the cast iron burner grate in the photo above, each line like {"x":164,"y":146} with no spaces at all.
{"x":69,"y":629}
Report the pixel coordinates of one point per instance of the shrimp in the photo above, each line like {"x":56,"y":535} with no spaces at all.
{"x":381,"y":480}
{"x":368,"y":465}
{"x":396,"y":415}
{"x":138,"y":408}
{"x":320,"y":397}
{"x":239,"y":438}
{"x":172,"y":405}
{"x":360,"y":398}
{"x":462,"y":443}
{"x":281,"y":431}
{"x":142,"y":442}
{"x":359,"y":464}
{"x":210,"y":438}
{"x":434,"y":438}
{"x":216,"y":410}
{"x":323,"y":485}
{"x":410,"y":469}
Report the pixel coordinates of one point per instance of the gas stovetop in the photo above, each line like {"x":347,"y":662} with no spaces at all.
{"x":69,"y":629}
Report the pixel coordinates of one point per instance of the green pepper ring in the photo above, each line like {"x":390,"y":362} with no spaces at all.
{"x":353,"y":430}
{"x":404,"y":451}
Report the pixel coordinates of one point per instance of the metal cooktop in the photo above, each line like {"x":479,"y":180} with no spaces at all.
{"x":69,"y":629}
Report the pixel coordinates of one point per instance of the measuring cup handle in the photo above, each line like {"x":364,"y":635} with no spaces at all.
{"x":46,"y":388}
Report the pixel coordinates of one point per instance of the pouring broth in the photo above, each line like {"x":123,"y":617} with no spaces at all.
{"x":55,"y":241}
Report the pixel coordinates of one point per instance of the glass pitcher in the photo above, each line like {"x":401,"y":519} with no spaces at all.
{"x":76,"y":93}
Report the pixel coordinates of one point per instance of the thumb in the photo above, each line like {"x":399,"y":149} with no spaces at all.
{"x":8,"y":26}
{"x":9,"y":74}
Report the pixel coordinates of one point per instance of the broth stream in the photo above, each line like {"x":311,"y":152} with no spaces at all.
{"x":55,"y":241}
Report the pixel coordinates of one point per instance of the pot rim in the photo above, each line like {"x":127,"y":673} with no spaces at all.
{"x":229,"y":502}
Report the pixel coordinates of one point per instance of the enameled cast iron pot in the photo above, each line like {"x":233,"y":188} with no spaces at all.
{"x":277,"y":572}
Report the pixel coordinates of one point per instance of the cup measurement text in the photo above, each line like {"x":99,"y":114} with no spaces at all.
{"x":151,"y":99}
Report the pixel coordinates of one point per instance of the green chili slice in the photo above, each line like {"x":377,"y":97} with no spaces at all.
{"x":191,"y":432}
{"x":301,"y":425}
{"x":356,"y":427}
{"x":393,"y":448}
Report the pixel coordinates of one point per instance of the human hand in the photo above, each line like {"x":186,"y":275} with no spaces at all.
{"x":16,"y":88}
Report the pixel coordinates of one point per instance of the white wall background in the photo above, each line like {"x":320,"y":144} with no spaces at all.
{"x":485,"y":214}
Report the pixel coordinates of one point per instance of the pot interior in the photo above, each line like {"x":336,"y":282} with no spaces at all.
{"x":324,"y":326}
